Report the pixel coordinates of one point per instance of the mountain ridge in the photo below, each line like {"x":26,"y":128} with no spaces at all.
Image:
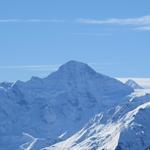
{"x":57,"y":107}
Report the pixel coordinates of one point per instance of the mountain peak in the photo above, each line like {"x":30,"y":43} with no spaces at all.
{"x":133,"y":84}
{"x":76,"y":66}
{"x":76,"y":76}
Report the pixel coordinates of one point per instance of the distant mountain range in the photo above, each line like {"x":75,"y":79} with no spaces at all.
{"x":74,"y":108}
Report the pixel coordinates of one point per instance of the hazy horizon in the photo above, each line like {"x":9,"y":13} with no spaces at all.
{"x":144,"y":82}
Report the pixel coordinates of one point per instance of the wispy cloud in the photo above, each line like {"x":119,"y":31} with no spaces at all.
{"x":145,"y":20}
{"x":139,"y":23}
{"x":92,"y":34}
{"x":33,"y":67}
{"x":142,"y":21}
{"x":31,"y":20}
{"x":143,"y":28}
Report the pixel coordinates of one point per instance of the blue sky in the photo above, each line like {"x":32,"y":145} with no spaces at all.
{"x":36,"y":36}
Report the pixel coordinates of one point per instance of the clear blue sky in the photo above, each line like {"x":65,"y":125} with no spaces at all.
{"x":38,"y":35}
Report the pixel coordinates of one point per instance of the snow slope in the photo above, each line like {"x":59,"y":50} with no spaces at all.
{"x":126,"y":129}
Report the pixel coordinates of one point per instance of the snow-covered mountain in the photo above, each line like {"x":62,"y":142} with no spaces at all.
{"x":5,"y":85}
{"x":74,"y":108}
{"x":133,"y":84}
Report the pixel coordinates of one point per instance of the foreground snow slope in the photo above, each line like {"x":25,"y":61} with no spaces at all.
{"x":126,"y":129}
